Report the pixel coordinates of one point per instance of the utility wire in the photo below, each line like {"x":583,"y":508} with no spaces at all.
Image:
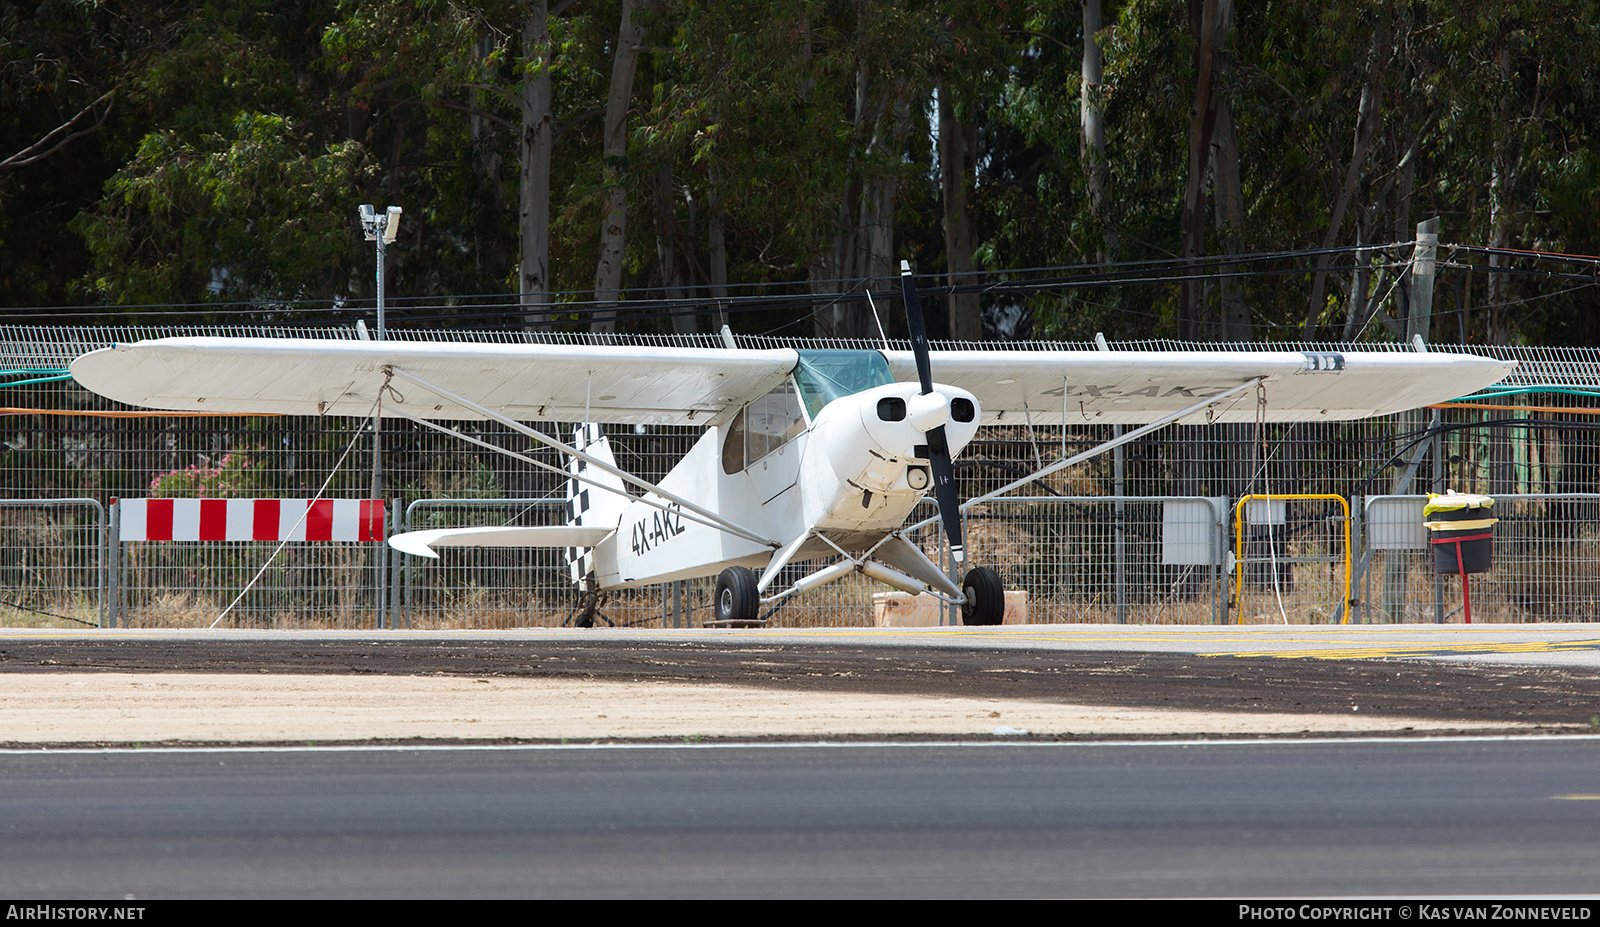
{"x":576,"y":306}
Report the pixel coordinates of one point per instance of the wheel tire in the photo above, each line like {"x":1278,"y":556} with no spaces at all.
{"x":737,"y":597}
{"x":986,"y":598}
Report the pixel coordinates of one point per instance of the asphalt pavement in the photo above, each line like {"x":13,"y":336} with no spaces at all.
{"x":1454,"y":817}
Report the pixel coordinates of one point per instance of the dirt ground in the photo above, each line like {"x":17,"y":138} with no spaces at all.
{"x":118,"y":691}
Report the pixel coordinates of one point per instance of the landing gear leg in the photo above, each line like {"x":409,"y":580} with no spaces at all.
{"x":737,"y":599}
{"x":587,"y":610}
{"x":986,"y":598}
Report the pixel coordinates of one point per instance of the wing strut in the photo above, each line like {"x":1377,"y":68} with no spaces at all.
{"x":534,"y":462}
{"x":721,"y":523}
{"x":1099,"y":449}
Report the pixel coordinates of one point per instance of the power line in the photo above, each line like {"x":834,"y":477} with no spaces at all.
{"x":641,"y":304}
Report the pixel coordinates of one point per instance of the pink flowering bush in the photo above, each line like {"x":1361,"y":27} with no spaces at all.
{"x":236,"y":476}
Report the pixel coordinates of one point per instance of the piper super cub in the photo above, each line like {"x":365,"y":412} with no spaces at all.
{"x":805,"y":453}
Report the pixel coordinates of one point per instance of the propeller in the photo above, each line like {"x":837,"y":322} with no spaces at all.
{"x":944,"y":476}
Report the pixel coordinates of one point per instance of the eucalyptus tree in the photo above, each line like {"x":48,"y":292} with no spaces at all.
{"x":241,"y":183}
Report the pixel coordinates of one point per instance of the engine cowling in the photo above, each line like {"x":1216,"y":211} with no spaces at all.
{"x":866,"y":460}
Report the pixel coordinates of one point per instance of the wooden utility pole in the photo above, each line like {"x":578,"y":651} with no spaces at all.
{"x":1418,"y":318}
{"x":1424,"y":259}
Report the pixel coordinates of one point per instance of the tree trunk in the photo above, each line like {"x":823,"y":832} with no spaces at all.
{"x":674,"y":275}
{"x":1205,"y":21}
{"x":1502,"y":177}
{"x":957,"y":143}
{"x":1402,"y":231}
{"x":1366,"y":128}
{"x":614,"y":217}
{"x":488,"y":245}
{"x":538,"y":140}
{"x":718,"y":244}
{"x":1091,"y":119}
{"x":1358,"y":308}
{"x":1228,"y":196}
{"x":864,"y":237}
{"x":878,"y":260}
{"x":831,"y":269}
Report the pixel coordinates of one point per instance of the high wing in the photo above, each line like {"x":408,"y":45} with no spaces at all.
{"x":695,"y":386}
{"x":1135,"y":387}
{"x":526,"y":382}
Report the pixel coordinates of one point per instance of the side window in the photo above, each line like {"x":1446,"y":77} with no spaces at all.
{"x":733,"y":445}
{"x":762,"y":427}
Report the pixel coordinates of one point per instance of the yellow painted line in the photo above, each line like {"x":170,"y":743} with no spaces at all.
{"x":1224,"y":632}
{"x":1232,"y":637}
{"x":1130,"y":640}
{"x":1366,"y":653}
{"x":1580,"y":796}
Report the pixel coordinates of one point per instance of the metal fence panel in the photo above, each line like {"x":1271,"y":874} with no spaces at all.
{"x":1062,"y":551}
{"x":1546,"y":567}
{"x":1292,"y":560}
{"x":186,"y":584}
{"x":479,"y":588}
{"x":52,"y":563}
{"x":1083,"y":559}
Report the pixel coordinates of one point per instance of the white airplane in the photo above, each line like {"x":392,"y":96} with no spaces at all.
{"x":805,"y":453}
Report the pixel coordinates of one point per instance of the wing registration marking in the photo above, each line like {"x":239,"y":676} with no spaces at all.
{"x":1088,"y":391}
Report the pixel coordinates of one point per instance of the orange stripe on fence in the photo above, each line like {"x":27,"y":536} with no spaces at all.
{"x":1498,"y":408}
{"x":107,"y":413}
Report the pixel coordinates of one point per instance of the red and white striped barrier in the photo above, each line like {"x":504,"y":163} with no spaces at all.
{"x":251,"y":519}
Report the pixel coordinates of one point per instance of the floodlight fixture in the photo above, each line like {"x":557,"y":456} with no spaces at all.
{"x":382,"y":228}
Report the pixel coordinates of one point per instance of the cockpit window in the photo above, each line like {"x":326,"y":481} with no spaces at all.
{"x":827,"y":375}
{"x":772,"y":421}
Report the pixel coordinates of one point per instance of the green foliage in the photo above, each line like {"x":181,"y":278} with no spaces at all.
{"x":243,"y":133}
{"x":253,"y":210}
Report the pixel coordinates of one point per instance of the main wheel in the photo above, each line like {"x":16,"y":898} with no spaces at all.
{"x":986,"y":598}
{"x":737,"y":596}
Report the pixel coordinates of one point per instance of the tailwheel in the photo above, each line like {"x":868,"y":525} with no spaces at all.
{"x":986,"y":598}
{"x":738,"y":601}
{"x":586,"y":610}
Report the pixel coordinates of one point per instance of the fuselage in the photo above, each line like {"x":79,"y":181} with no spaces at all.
{"x":838,"y":450}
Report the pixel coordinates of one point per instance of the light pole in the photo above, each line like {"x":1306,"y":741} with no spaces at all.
{"x":382,"y":229}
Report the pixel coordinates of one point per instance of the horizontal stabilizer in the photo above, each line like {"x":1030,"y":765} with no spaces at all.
{"x":422,"y":543}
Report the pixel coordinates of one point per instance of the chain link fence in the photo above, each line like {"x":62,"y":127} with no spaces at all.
{"x":1092,"y":543}
{"x":1546,"y":563}
{"x":1078,"y":559}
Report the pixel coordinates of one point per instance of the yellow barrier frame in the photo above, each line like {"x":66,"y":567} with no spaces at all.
{"x":1238,"y":544}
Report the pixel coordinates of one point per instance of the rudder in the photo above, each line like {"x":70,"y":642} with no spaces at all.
{"x":589,"y":504}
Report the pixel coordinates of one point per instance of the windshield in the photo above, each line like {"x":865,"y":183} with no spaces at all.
{"x":827,"y":375}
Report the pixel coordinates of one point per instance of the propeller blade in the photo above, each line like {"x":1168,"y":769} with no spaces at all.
{"x":944,"y":490}
{"x":944,"y":471}
{"x":919,"y":331}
